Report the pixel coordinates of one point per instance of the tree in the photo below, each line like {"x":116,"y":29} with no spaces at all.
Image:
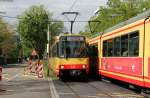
{"x":33,"y":28}
{"x":118,"y":11}
{"x":7,"y":42}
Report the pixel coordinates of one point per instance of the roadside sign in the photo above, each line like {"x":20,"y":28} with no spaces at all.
{"x":34,"y":53}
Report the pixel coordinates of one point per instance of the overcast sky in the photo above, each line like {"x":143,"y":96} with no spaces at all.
{"x":86,"y":9}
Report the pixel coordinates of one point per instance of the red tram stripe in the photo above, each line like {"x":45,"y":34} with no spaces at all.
{"x":132,"y":81}
{"x":124,"y":74}
{"x":74,"y":66}
{"x":147,"y":84}
{"x":147,"y":78}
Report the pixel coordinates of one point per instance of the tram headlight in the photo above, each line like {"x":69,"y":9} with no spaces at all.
{"x":61,"y":67}
{"x":83,"y":66}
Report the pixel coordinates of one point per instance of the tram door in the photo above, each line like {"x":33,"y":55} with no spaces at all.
{"x":93,"y":55}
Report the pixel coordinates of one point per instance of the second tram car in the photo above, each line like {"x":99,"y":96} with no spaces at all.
{"x":124,"y":51}
{"x":69,"y":56}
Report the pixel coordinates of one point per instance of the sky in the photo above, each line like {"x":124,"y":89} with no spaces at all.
{"x":86,"y":9}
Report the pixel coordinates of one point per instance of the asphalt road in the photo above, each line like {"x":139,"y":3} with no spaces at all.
{"x":16,"y":84}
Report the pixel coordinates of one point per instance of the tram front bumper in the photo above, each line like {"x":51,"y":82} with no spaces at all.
{"x":72,"y":72}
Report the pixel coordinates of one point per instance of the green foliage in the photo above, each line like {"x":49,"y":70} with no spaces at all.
{"x":27,"y":51}
{"x":33,"y":28}
{"x":55,"y":29}
{"x":117,"y":11}
{"x":7,"y":42}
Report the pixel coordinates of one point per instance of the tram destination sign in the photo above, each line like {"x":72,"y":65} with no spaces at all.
{"x":72,"y":38}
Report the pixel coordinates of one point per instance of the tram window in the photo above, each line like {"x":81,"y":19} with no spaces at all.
{"x":54,"y":51}
{"x":117,"y":46}
{"x":93,"y":51}
{"x":110,"y":47}
{"x":105,"y":48}
{"x":134,"y":44}
{"x":124,"y":45}
{"x":62,"y":49}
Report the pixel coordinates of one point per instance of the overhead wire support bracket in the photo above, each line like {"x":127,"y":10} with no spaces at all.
{"x":71,"y":21}
{"x":94,"y":21}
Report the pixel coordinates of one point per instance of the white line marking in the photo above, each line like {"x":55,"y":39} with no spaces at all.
{"x":13,"y":77}
{"x":66,"y":93}
{"x":53,"y":91}
{"x":16,"y":75}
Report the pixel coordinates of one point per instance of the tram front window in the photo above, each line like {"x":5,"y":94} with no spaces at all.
{"x":72,"y":49}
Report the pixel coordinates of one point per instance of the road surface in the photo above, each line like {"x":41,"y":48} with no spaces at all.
{"x":18,"y":84}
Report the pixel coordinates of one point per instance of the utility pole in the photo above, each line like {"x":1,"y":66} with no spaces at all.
{"x":48,"y":39}
{"x":48,"y":45}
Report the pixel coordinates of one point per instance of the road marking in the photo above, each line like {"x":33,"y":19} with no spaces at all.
{"x":16,"y":75}
{"x":53,"y":91}
{"x":130,"y":95}
{"x":13,"y":77}
{"x":66,"y":93}
{"x":90,"y":96}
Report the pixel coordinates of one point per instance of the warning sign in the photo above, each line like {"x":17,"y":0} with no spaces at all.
{"x":34,"y":52}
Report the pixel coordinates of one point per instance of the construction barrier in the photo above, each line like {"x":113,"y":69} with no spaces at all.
{"x":0,"y":73}
{"x":30,"y":65}
{"x":39,"y":69}
{"x":35,"y":67}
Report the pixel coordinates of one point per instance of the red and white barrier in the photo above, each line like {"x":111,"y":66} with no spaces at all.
{"x":30,"y":65}
{"x":0,"y":73}
{"x":39,"y":71}
{"x":36,"y":67}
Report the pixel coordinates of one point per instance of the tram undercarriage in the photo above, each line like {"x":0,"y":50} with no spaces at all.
{"x":81,"y":73}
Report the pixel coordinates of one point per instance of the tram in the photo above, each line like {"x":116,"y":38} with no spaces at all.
{"x":69,"y":56}
{"x":124,"y":51}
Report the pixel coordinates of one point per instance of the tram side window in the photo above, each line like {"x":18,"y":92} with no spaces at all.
{"x":124,"y":45}
{"x":110,"y":47}
{"x":54,"y":50}
{"x":105,"y":49}
{"x":117,"y":46}
{"x":134,"y":44}
{"x":93,"y":51}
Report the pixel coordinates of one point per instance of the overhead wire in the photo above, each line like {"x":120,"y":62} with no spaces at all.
{"x":10,"y":17}
{"x":71,"y":7}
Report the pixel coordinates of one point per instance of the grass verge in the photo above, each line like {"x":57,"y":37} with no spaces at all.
{"x":47,"y":71}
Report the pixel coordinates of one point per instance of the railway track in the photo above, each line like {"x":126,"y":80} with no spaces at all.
{"x":102,"y":91}
{"x":73,"y":91}
{"x":136,"y":94}
{"x":94,"y":89}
